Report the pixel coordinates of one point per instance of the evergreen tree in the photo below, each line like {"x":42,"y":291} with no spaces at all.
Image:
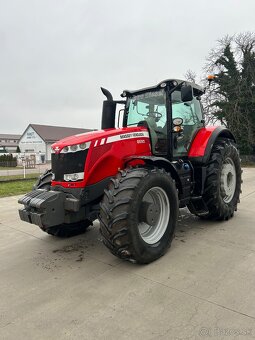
{"x":231,"y":99}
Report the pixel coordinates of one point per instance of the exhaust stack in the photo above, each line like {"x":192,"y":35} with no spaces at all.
{"x":109,"y":110}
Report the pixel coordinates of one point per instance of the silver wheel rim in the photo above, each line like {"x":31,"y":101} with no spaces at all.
{"x":154,"y":215}
{"x":228,"y":180}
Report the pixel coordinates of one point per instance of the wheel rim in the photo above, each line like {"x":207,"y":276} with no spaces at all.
{"x":228,"y":180}
{"x":154,"y":215}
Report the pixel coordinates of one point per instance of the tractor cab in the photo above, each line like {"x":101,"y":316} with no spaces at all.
{"x":172,"y":113}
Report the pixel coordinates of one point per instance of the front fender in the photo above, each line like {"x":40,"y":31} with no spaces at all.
{"x":160,"y":162}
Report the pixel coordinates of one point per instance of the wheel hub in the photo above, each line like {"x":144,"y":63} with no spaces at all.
{"x":154,"y":215}
{"x":228,"y":180}
{"x":149,"y":212}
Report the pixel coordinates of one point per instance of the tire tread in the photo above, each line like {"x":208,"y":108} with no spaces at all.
{"x":114,"y":211}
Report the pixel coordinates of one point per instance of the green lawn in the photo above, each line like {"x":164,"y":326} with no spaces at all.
{"x":16,"y":188}
{"x":248,"y":164}
{"x":32,"y":176}
{"x":10,"y":167}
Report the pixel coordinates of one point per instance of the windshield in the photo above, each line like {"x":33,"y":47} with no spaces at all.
{"x":149,"y":109}
{"x":146,"y":106}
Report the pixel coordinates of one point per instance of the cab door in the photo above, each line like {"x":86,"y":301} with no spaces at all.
{"x":191,"y":114}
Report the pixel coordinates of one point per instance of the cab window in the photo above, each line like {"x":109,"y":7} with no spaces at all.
{"x":149,"y":109}
{"x":192,"y":116}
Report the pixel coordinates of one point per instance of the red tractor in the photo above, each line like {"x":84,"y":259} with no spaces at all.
{"x":136,"y":176}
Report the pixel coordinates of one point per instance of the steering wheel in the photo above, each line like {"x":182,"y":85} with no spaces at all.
{"x":156,"y":115}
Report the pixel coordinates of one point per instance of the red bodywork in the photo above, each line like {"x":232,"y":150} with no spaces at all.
{"x":107,"y":152}
{"x":109,"y":149}
{"x":199,"y":143}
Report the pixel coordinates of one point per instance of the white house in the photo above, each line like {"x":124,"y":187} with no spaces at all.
{"x":37,"y":140}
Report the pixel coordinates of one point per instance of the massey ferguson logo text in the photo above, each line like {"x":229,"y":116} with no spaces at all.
{"x":130,"y":135}
{"x":125,"y":136}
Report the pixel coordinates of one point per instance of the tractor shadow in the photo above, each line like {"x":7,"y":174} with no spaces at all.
{"x":80,"y":251}
{"x":75,"y":251}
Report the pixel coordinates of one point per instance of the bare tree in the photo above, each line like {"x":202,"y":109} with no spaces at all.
{"x":190,"y":76}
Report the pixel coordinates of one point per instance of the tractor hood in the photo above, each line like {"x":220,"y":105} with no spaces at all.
{"x":124,"y":133}
{"x":96,"y":156}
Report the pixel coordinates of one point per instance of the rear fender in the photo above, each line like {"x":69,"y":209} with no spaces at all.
{"x":203,"y":142}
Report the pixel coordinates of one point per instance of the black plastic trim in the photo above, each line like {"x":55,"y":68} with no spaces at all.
{"x":86,"y":195}
{"x":183,"y":178}
{"x":94,"y":191}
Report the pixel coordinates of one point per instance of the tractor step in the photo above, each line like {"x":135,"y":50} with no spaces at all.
{"x":197,"y":206}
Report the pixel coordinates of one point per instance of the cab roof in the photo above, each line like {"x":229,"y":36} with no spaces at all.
{"x":198,"y":90}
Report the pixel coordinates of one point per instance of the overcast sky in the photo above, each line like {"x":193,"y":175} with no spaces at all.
{"x":55,"y":54}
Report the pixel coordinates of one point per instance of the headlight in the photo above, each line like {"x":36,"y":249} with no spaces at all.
{"x":65,"y":149}
{"x":75,"y":147}
{"x":74,"y":177}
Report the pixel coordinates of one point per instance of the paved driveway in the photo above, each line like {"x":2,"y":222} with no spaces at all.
{"x":204,"y":287}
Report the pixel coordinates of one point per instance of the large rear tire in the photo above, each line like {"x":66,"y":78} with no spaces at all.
{"x":223,"y":180}
{"x":139,"y":213}
{"x":62,"y":230}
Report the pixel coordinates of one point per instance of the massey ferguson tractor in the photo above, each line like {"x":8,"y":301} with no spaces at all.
{"x":150,"y":159}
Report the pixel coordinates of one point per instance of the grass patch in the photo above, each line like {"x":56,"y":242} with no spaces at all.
{"x":11,"y":167}
{"x":16,"y":188}
{"x":248,"y":164}
{"x":5,"y":178}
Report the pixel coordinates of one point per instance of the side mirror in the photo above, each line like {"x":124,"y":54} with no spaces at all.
{"x":186,"y":93}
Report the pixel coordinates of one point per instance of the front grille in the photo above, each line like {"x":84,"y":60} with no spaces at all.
{"x":68,"y":163}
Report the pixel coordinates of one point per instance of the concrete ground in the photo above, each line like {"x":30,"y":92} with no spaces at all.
{"x":75,"y":289}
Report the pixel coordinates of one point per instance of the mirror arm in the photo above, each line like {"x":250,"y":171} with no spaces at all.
{"x":176,"y":87}
{"x":120,"y":101}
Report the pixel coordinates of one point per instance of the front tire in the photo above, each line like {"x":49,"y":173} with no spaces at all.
{"x":69,"y":230}
{"x":139,"y":213}
{"x":223,"y":180}
{"x":44,"y":181}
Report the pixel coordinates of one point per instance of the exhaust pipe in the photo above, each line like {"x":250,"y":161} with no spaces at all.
{"x":109,"y":111}
{"x":107,"y":94}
